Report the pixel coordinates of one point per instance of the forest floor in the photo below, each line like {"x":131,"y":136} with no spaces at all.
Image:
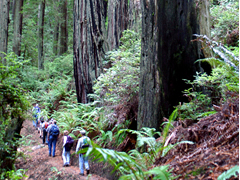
{"x":40,"y":166}
{"x":216,"y":144}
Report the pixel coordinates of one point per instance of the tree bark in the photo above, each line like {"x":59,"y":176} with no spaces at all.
{"x":63,"y":28}
{"x":168,"y":57}
{"x":88,"y":45}
{"x":17,"y":26}
{"x":204,"y":23}
{"x":118,"y":21}
{"x":55,"y":39}
{"x":40,"y":34}
{"x":4,"y":20}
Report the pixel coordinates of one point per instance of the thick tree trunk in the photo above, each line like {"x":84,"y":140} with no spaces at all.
{"x":17,"y":26}
{"x":135,"y":17}
{"x":168,"y":57}
{"x":4,"y":20}
{"x":63,"y":29}
{"x":88,"y":45}
{"x":118,"y":21}
{"x":40,"y":34}
{"x":204,"y":24}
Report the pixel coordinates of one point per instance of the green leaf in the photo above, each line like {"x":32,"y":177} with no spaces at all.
{"x":231,"y":172}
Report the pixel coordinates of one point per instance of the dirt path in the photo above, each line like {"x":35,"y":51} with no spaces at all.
{"x":39,"y":165}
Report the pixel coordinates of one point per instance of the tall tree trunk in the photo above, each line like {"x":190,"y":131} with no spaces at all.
{"x":88,"y":45}
{"x":204,"y":22}
{"x":17,"y":26}
{"x":168,"y":57}
{"x":135,"y":17}
{"x":55,"y":39}
{"x":4,"y":20}
{"x":63,"y":28}
{"x":118,"y":20}
{"x":40,"y":34}
{"x":56,"y":27}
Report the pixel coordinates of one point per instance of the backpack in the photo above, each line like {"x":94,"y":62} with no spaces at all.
{"x":45,"y":125}
{"x":54,"y":131}
{"x":85,"y":143}
{"x":69,"y":143}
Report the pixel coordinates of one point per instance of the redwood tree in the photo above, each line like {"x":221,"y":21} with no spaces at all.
{"x":98,"y":26}
{"x":88,"y":45}
{"x":4,"y":20}
{"x":118,"y":20}
{"x":63,"y":28}
{"x":40,"y":34}
{"x":168,"y":57}
{"x":17,"y":26}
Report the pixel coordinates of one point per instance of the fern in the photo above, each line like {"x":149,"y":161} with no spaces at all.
{"x":231,"y":172}
{"x":125,"y":164}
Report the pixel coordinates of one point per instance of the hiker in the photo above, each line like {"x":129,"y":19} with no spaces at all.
{"x":53,"y":133}
{"x":83,"y":142}
{"x":67,"y":145}
{"x":40,"y":126}
{"x":36,"y":112}
{"x":44,"y":128}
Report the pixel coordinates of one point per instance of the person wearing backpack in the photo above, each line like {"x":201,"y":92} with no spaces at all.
{"x":44,"y":129}
{"x":67,"y":145}
{"x":83,"y":142}
{"x":52,"y":138}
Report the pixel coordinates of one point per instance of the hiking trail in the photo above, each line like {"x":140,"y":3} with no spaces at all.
{"x":41,"y":166}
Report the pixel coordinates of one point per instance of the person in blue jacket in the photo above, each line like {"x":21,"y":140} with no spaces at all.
{"x":36,"y":114}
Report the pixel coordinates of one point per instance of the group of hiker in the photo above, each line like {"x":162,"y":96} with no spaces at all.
{"x":49,"y":132}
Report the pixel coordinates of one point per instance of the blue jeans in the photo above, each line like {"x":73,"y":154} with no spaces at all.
{"x":35,"y":117}
{"x":34,"y":122}
{"x":66,"y":157}
{"x":52,"y":143}
{"x":83,"y":160}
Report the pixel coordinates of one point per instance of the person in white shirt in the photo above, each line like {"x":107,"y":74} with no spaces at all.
{"x":83,"y":142}
{"x":66,"y":150}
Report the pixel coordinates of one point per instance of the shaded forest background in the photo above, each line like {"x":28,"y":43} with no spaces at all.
{"x":125,"y":71}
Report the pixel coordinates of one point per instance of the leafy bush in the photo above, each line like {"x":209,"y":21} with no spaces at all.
{"x":225,"y":19}
{"x":209,"y":90}
{"x":14,"y":104}
{"x":120,"y":82}
{"x":214,"y":86}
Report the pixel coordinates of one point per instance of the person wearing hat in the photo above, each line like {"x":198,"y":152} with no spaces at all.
{"x":83,"y":142}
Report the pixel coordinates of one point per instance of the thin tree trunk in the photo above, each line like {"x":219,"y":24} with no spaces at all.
{"x":88,"y":45}
{"x":63,"y":29}
{"x":40,"y":34}
{"x":17,"y":26}
{"x":168,"y":57}
{"x":56,"y":27}
{"x":4,"y":20}
{"x":55,"y":39}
